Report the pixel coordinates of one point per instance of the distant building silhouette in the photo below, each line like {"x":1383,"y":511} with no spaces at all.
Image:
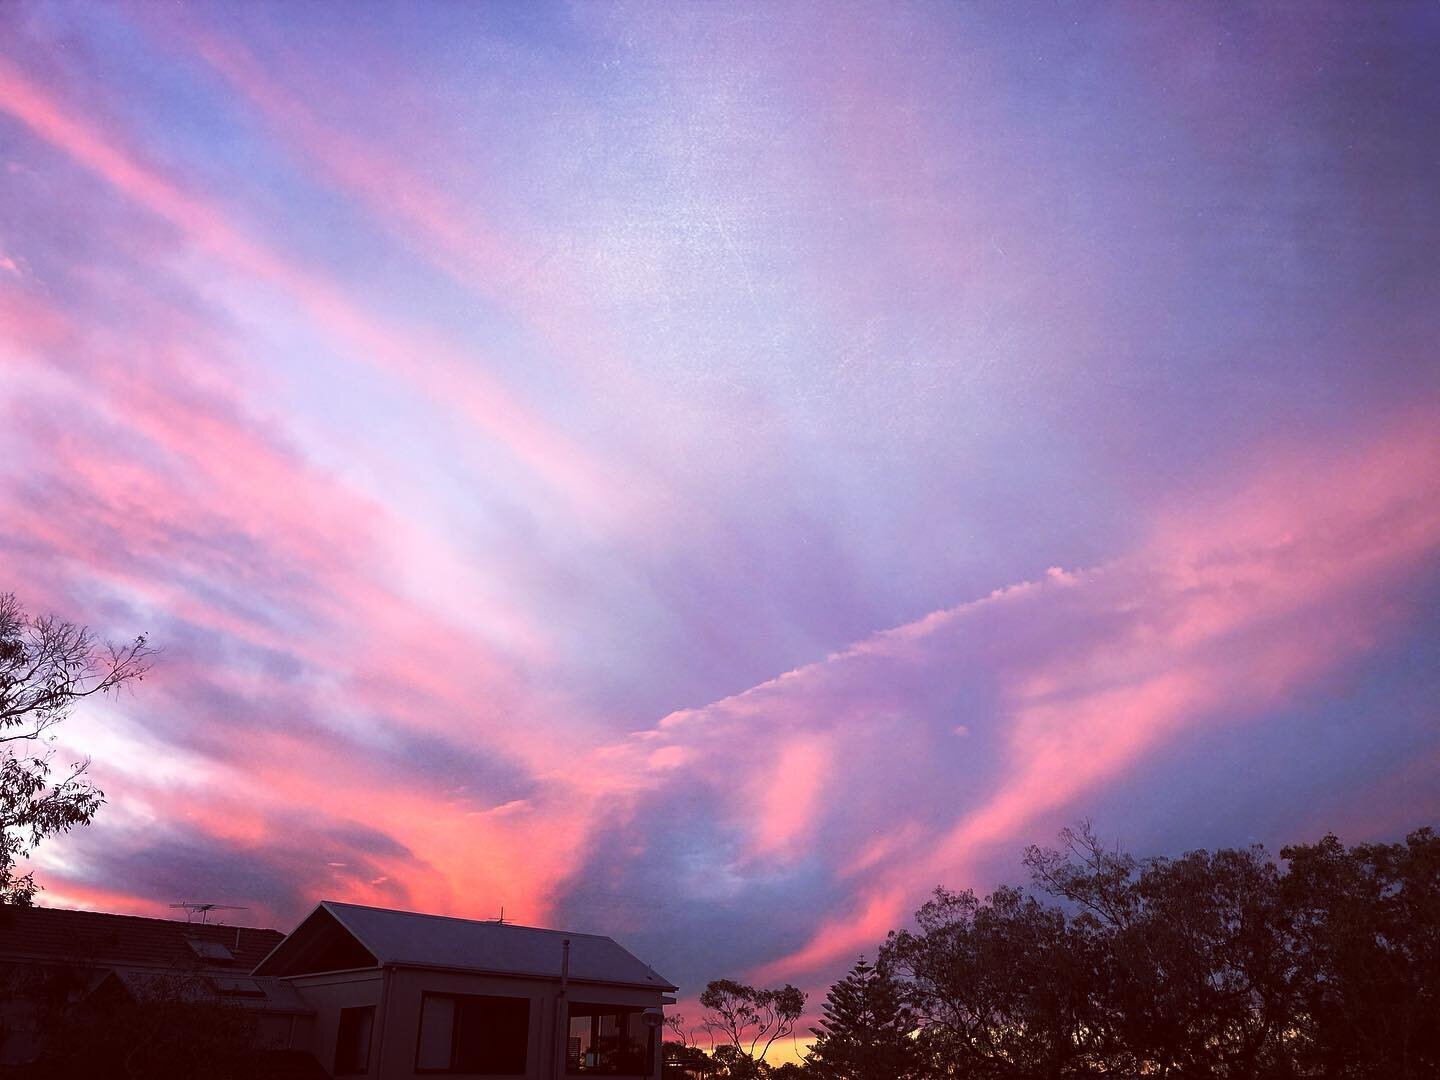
{"x":90,"y":959}
{"x":364,"y":991}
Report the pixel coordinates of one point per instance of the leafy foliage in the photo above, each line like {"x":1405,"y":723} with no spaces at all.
{"x":46,"y":666}
{"x":789,"y":1071}
{"x":1212,"y":965}
{"x":165,"y":1027}
{"x":1365,"y":926}
{"x":746,"y":1022}
{"x":1222,"y":965}
{"x":867,"y":1030}
{"x":679,"y":1058}
{"x":1002,"y":987}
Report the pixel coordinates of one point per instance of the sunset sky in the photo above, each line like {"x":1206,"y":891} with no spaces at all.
{"x":711,"y":473}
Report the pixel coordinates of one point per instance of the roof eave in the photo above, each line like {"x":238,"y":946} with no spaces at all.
{"x":416,"y":965}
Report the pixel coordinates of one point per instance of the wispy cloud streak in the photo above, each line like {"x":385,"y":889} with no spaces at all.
{"x":451,"y":378}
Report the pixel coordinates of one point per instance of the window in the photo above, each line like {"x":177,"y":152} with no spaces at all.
{"x":609,"y":1040}
{"x":230,"y":987}
{"x":471,"y":1033}
{"x":352,"y":1044}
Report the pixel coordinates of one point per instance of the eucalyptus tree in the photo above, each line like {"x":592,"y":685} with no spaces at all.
{"x":746,"y":1022}
{"x":47,"y":665}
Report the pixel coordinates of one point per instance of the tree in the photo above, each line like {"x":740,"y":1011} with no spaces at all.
{"x":681,"y":1059}
{"x":1001,"y":987}
{"x":867,"y":1030}
{"x":47,"y":665}
{"x":1194,"y":975}
{"x":1222,"y":965}
{"x":158,"y":1026}
{"x":746,"y":1020}
{"x":1365,"y":925}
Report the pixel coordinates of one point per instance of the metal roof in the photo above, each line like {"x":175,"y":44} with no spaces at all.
{"x":411,"y":938}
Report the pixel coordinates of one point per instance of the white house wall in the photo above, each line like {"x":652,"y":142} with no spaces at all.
{"x":401,"y":1022}
{"x":328,"y":994}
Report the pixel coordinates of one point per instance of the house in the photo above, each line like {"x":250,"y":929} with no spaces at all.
{"x":58,"y":964}
{"x":351,"y":991}
{"x":398,"y":994}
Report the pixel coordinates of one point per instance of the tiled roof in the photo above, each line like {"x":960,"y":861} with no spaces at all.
{"x":99,"y":938}
{"x":241,"y":992}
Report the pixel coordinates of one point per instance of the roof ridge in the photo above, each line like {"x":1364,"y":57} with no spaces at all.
{"x":146,"y":918}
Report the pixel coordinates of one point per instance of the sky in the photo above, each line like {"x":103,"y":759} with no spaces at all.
{"x":711,"y":473}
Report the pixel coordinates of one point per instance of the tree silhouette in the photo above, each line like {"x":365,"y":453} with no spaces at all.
{"x":1222,"y":965}
{"x":1002,"y":987}
{"x":867,"y":1030}
{"x":1197,"y":977}
{"x":746,"y":1022}
{"x":1366,"y":937}
{"x":47,"y":665}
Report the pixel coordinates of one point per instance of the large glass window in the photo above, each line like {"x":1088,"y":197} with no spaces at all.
{"x":437,"y":1032}
{"x":609,"y":1040}
{"x":352,"y":1045}
{"x":473,"y":1033}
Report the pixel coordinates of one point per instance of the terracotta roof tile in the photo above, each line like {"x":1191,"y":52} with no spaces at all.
{"x":95,"y":937}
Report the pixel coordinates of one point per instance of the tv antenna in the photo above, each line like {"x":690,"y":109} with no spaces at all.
{"x":203,"y":910}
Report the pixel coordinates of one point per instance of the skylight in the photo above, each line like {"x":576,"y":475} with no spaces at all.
{"x":210,"y":950}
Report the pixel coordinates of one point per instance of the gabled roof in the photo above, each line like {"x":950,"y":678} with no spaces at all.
{"x":97,"y":938}
{"x":411,"y":939}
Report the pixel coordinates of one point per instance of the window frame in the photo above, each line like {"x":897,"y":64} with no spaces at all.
{"x":636,"y":1014}
{"x":364,"y":1067}
{"x":453,"y":1069}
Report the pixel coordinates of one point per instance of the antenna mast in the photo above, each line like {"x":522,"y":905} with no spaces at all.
{"x":203,"y":910}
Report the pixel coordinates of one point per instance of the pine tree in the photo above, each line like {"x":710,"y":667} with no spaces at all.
{"x":867,"y":1030}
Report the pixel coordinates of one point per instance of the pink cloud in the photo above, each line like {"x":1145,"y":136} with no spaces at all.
{"x":788,"y":797}
{"x":449,"y":230}
{"x":451,"y":377}
{"x":1227,"y":611}
{"x":494,"y":263}
{"x":168,"y":470}
{"x":30,"y":323}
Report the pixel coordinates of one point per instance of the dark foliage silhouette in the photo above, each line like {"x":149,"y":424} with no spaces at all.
{"x":1213,"y":965}
{"x":47,"y":665}
{"x":867,"y":1030}
{"x":745,"y":1022}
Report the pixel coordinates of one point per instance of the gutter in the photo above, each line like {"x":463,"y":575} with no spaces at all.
{"x":658,"y":988}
